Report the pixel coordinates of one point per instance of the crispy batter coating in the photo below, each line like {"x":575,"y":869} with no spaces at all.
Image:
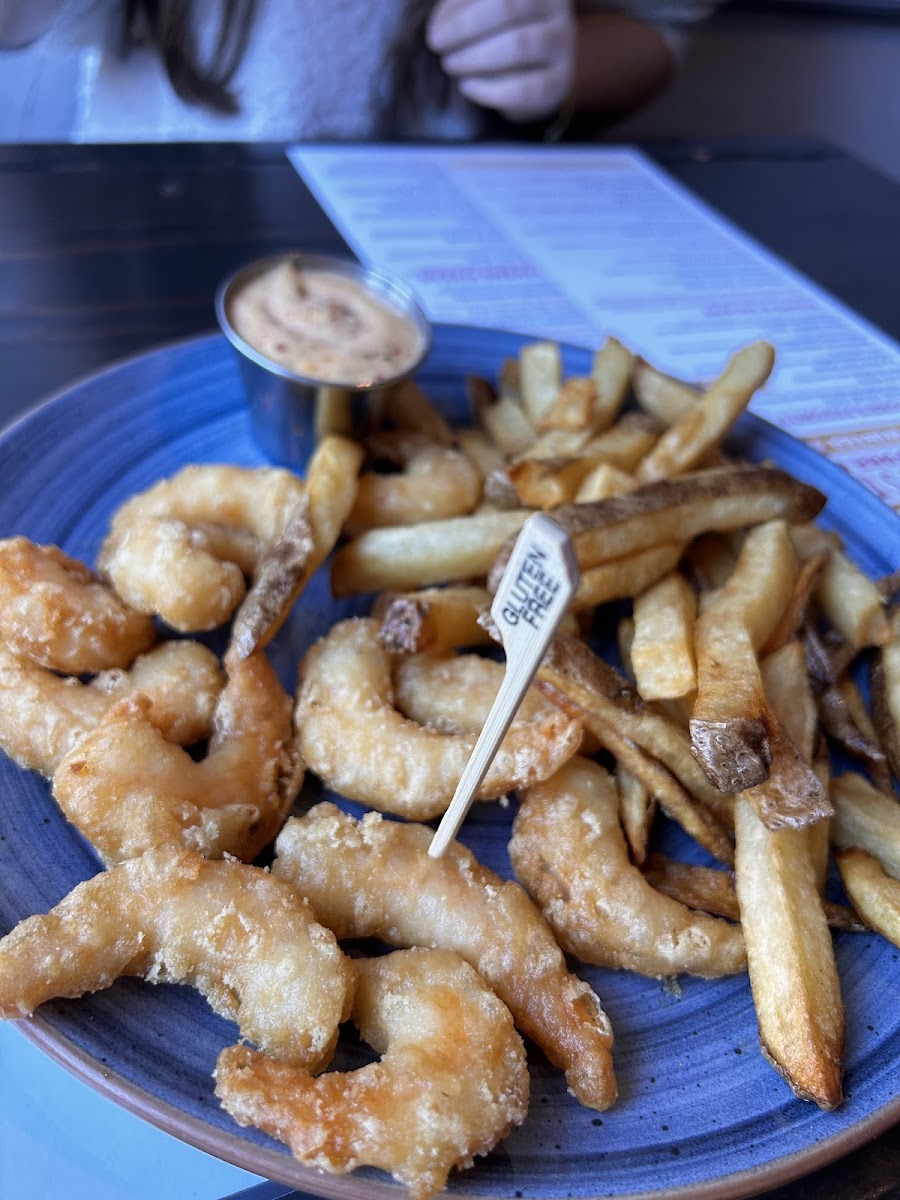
{"x":247,"y":941}
{"x":374,"y":878}
{"x":182,"y":548}
{"x":569,"y":851}
{"x":451,"y":1082}
{"x":346,"y":700}
{"x":127,"y":789}
{"x":43,"y":717}
{"x":55,"y":611}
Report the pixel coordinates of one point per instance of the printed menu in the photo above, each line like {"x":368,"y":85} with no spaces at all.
{"x":578,"y":243}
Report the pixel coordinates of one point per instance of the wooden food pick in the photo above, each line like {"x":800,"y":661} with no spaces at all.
{"x":534,"y":593}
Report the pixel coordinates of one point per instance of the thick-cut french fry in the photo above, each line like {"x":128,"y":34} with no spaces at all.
{"x":540,"y":375}
{"x":664,"y":397}
{"x":886,"y":695}
{"x":874,"y":894}
{"x":633,"y":732}
{"x":793,"y":976}
{"x":331,"y":484}
{"x":637,"y":808}
{"x":788,"y":690}
{"x":794,"y":613}
{"x":710,"y":560}
{"x":677,"y":509}
{"x":624,"y":444}
{"x":409,"y":408}
{"x":662,"y":653}
{"x":547,"y":482}
{"x":624,"y":577}
{"x":411,"y":556}
{"x":792,"y":796}
{"x":435,"y":619}
{"x":501,"y":418}
{"x":572,"y":408}
{"x":852,"y":602}
{"x":728,"y":724}
{"x":602,"y":481}
{"x":866,"y":817}
{"x":713,"y":891}
{"x":438,"y":482}
{"x":611,"y":372}
{"x":480,"y":450}
{"x":705,"y":424}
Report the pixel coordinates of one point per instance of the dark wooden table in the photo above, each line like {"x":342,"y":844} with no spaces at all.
{"x":105,"y":251}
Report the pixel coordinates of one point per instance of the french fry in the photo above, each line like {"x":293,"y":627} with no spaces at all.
{"x":662,"y":653}
{"x":501,"y":419}
{"x":573,"y":407}
{"x":626,"y":576}
{"x":886,"y":695}
{"x":611,"y":372}
{"x":540,"y":374}
{"x":866,"y":817}
{"x":873,"y":893}
{"x":625,"y":443}
{"x":637,"y":736}
{"x":793,"y":977}
{"x":852,"y":602}
{"x":637,"y":808}
{"x":404,"y":557}
{"x":663,"y":396}
{"x":729,"y":732}
{"x":788,"y":690}
{"x":481,"y":452}
{"x":794,"y":613}
{"x":714,"y":892}
{"x":705,"y":423}
{"x":678,"y":509}
{"x":547,"y":482}
{"x":436,"y":619}
{"x":331,"y":484}
{"x":602,"y":481}
{"x":408,"y":407}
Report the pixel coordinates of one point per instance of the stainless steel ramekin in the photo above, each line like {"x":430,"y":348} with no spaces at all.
{"x":290,"y":412}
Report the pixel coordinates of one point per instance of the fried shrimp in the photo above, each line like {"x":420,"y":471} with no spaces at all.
{"x":182,"y":549}
{"x":43,"y":717}
{"x":436,"y":482}
{"x":249,"y":943}
{"x":55,"y":611}
{"x":127,"y":789}
{"x":454,"y":693}
{"x":569,"y":852}
{"x":346,"y":699}
{"x":374,"y":878}
{"x":451,"y":1082}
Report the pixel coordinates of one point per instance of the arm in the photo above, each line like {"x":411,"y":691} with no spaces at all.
{"x":24,"y":22}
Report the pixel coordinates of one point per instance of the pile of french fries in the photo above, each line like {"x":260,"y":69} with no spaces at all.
{"x":741,"y":651}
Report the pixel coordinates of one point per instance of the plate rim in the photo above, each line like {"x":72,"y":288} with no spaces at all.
{"x":234,"y":1149}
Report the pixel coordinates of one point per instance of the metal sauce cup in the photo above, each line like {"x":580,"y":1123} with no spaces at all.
{"x":290,"y":413}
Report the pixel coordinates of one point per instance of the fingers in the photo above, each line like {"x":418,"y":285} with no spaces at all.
{"x":516,"y":56}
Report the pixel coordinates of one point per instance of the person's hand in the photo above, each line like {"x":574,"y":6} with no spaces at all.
{"x":515,"y":56}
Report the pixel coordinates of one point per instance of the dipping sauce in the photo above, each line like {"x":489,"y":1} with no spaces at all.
{"x":324,"y":325}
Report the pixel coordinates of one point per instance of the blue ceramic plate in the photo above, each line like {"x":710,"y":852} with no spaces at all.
{"x":700,"y":1114}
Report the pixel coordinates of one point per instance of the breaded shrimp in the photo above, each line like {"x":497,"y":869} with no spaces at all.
{"x":127,"y":789}
{"x":354,"y":738}
{"x":437,"y":481}
{"x":374,"y":878}
{"x":453,"y":693}
{"x":452,"y":1080}
{"x":247,"y":941}
{"x":182,"y":548}
{"x":55,"y":611}
{"x":43,"y":717}
{"x":570,"y":854}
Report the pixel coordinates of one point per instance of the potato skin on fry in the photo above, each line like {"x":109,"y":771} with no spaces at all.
{"x":569,"y":852}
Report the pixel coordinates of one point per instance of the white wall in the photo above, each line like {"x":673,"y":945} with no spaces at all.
{"x":835,"y":78}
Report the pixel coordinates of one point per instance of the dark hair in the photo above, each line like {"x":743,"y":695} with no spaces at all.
{"x":168,"y":26}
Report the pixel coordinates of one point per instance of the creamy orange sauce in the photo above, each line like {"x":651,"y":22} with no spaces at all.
{"x":324,"y":325}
